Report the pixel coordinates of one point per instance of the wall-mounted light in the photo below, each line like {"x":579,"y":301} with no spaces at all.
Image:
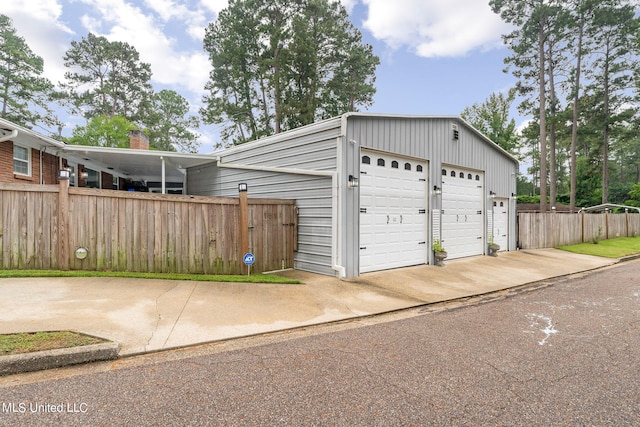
{"x":64,"y":174}
{"x":437,"y":190}
{"x":492,"y":195}
{"x":242,"y":187}
{"x":353,"y":182}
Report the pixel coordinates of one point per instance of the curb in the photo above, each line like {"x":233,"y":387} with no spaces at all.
{"x":41,"y":360}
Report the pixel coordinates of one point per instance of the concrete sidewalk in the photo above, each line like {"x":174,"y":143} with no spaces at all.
{"x":149,"y":315}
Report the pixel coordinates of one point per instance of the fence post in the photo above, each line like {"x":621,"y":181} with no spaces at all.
{"x":582,"y":221}
{"x":606,"y":221}
{"x":626,"y":217}
{"x":63,"y":222}
{"x":243,"y":221}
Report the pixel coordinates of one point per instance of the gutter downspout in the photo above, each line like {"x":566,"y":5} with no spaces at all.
{"x":42,"y":151}
{"x":334,"y":200}
{"x":12,"y":135}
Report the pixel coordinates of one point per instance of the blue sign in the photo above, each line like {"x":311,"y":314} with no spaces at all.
{"x":249,"y":259}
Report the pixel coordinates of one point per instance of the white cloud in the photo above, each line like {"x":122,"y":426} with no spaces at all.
{"x":435,"y":28}
{"x":214,"y":6}
{"x":172,"y":64}
{"x":38,"y":22}
{"x":349,"y":4}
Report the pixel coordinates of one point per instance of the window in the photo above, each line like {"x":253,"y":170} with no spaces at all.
{"x":462,"y":175}
{"x":366,"y":160}
{"x":21,"y":160}
{"x":380,"y":162}
{"x":477,"y":177}
{"x":419,"y":168}
{"x":444,"y":172}
{"x":502,"y":204}
{"x":453,"y":174}
{"x":495,"y":203}
{"x":394,"y":164}
{"x":407,"y":166}
{"x":93,"y":178}
{"x":469,"y":176}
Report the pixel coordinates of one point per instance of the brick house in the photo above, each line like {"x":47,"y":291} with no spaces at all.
{"x":27,"y":157}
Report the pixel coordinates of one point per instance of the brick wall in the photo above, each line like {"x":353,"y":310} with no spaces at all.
{"x":49,"y":167}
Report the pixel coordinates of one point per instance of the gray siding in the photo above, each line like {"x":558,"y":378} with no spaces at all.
{"x":310,"y":148}
{"x":428,"y":139}
{"x":323,"y":147}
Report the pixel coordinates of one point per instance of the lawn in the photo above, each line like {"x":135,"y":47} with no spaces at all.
{"x":612,"y":248}
{"x":254,"y":278}
{"x":40,"y":341}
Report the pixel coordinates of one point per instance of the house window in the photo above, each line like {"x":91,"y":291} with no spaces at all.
{"x":462,"y":175}
{"x":419,"y":168}
{"x":444,"y":172}
{"x":366,"y":160}
{"x":477,"y":177}
{"x":93,"y":178}
{"x":380,"y":162}
{"x":21,"y":160}
{"x":469,"y":176}
{"x":394,"y":164}
{"x":407,"y":166}
{"x":453,"y":174}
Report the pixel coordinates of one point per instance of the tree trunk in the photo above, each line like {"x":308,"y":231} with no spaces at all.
{"x":574,"y":125}
{"x":543,"y":120}
{"x":553,"y":184}
{"x":605,"y":133}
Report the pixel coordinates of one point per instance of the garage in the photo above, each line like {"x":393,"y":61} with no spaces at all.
{"x":393,"y":226}
{"x":462,"y":212}
{"x":374,"y":191}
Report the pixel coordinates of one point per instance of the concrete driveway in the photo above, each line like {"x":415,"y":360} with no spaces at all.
{"x":150,"y":315}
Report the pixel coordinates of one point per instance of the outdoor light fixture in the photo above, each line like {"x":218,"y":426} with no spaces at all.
{"x":353,"y":181}
{"x":437,"y":190}
{"x":64,"y":174}
{"x":492,"y":194}
{"x":242,"y":187}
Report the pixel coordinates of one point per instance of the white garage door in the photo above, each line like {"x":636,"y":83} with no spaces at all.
{"x":392,"y":212}
{"x":500,"y":222}
{"x":462,"y":212}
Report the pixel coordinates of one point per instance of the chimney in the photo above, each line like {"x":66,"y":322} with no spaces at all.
{"x":138,"y":140}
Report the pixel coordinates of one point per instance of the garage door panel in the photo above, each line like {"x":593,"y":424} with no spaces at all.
{"x":392,"y":230}
{"x":462,"y":213}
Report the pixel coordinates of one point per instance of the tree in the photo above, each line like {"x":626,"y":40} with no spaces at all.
{"x":492,"y":119}
{"x":277,"y":65}
{"x":24,"y":93}
{"x":168,"y":123}
{"x":613,"y":70}
{"x":535,"y":21}
{"x":104,"y":131}
{"x":106,"y":78}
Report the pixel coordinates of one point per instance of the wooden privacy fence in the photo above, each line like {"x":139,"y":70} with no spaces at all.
{"x":42,"y":226}
{"x":549,"y":230}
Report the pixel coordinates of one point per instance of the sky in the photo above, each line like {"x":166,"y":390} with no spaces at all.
{"x":437,"y":56}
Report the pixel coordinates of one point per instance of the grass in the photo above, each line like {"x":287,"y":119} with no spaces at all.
{"x":612,"y":248}
{"x":254,"y":278}
{"x":38,"y":341}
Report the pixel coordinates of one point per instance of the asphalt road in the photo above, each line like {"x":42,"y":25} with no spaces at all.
{"x":561,"y":353}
